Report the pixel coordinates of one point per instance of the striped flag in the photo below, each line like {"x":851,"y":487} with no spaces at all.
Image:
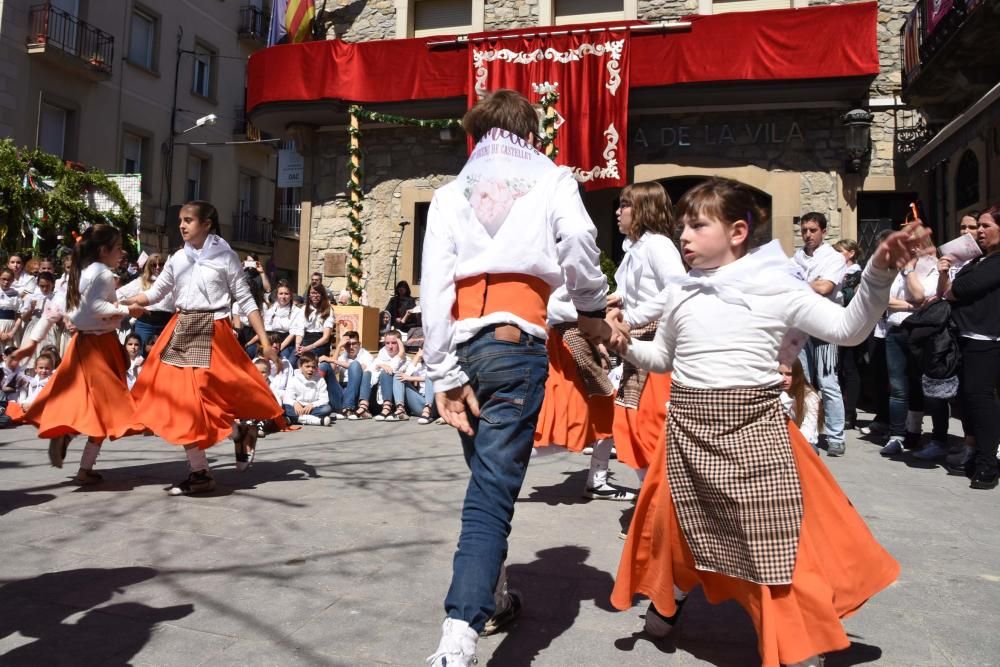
{"x":299,"y":15}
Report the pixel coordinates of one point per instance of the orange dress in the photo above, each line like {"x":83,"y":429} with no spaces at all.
{"x":87,"y":394}
{"x":197,"y":406}
{"x":639,"y":432}
{"x":838,"y":566}
{"x":569,"y":417}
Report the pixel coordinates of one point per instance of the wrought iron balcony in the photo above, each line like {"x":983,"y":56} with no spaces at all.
{"x":250,"y":228}
{"x":290,"y":218}
{"x":254,"y":24}
{"x":54,"y":31}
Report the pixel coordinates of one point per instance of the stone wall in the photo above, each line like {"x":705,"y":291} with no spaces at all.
{"x":666,"y":10}
{"x":506,"y":14}
{"x":357,"y":20}
{"x":395,"y":158}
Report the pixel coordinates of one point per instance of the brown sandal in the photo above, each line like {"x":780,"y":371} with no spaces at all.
{"x":386,"y":411}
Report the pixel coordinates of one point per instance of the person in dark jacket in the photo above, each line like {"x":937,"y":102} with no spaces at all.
{"x":399,"y":305}
{"x":975,"y":297}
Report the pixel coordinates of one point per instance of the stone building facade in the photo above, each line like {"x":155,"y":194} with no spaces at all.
{"x":794,"y":153}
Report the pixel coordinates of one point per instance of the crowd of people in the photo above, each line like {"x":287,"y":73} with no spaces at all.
{"x":737,"y":367}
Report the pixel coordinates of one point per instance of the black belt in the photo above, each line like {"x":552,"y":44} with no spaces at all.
{"x":310,"y":337}
{"x":8,"y":314}
{"x":155,"y":317}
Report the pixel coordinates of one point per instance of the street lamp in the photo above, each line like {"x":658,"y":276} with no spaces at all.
{"x":210,"y":119}
{"x":858,"y":124}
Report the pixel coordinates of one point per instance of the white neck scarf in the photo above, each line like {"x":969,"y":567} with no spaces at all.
{"x":212,"y":254}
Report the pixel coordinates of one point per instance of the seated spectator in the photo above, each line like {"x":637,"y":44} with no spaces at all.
{"x":313,"y":324}
{"x":52,"y":351}
{"x":401,"y":304}
{"x":388,"y":362}
{"x":278,"y":320}
{"x":417,"y":390}
{"x":133,"y":348}
{"x":356,"y":363}
{"x":306,"y":400}
{"x":265,"y":368}
{"x":29,"y":386}
{"x":801,"y":402}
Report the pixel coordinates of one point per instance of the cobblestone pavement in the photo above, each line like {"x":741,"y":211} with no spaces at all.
{"x":335,"y":549}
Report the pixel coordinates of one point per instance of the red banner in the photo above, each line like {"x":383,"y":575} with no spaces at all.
{"x":590,"y":72}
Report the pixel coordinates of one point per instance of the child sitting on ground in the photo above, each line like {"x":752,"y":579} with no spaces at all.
{"x":800,"y":401}
{"x":306,"y":400}
{"x":133,"y":348}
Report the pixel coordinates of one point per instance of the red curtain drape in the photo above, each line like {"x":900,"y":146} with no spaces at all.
{"x":591,"y":70}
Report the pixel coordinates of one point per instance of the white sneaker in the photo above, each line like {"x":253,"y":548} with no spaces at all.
{"x":893,"y":447}
{"x":933,"y":451}
{"x":587,"y":451}
{"x":457,"y":647}
{"x":608,"y":492}
{"x":310,"y":420}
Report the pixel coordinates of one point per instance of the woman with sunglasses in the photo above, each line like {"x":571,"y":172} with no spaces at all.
{"x":157,"y":315}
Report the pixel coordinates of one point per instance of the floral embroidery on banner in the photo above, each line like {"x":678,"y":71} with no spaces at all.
{"x":610,"y":170}
{"x":613,"y":49}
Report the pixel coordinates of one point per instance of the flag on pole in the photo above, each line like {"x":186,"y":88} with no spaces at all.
{"x":299,"y":15}
{"x":276,"y":32}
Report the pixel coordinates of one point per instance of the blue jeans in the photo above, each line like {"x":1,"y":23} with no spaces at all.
{"x":905,"y":389}
{"x":317,"y":411}
{"x":509,"y":381}
{"x":390,"y":391}
{"x":358,"y":387}
{"x":819,"y":361}
{"x":145,"y":331}
{"x":333,"y":388}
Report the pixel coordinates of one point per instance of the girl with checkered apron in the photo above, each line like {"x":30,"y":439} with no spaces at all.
{"x":186,"y":391}
{"x":651,"y":259}
{"x":88,"y":394}
{"x":737,"y":500}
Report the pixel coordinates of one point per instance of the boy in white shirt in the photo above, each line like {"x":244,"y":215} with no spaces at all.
{"x":306,"y":399}
{"x":359,"y":364}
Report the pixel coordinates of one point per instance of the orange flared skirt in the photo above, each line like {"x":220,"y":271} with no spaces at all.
{"x":838,"y":566}
{"x":639,"y":432}
{"x":569,"y":417}
{"x":88,"y":394}
{"x":197,"y":406}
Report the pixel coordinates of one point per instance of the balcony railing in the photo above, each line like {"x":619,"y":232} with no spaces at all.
{"x":254,"y":24}
{"x":250,"y":228}
{"x":928,"y":28}
{"x":53,"y":29}
{"x":289,"y":218}
{"x":243,"y":128}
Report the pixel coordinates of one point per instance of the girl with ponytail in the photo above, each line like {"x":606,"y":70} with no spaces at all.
{"x":89,"y":394}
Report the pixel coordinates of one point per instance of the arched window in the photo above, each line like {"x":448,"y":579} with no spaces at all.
{"x":967,"y":181}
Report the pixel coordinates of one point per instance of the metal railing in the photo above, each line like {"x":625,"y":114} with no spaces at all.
{"x":52,"y":27}
{"x":290,"y":218}
{"x":925,"y":32}
{"x":254,"y":23}
{"x":250,"y":228}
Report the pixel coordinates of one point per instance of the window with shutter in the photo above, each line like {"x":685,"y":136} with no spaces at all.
{"x":435,"y":17}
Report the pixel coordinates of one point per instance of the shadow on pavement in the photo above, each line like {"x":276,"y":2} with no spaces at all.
{"x":553,"y":589}
{"x":569,"y":491}
{"x":38,"y":608}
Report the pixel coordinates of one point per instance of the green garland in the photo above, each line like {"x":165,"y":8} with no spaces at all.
{"x":549,"y":97}
{"x":354,"y":185}
{"x":39,"y":219}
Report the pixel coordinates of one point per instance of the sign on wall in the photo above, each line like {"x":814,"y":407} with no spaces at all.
{"x":291,"y":168}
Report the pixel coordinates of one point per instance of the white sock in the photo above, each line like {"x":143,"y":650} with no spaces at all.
{"x":90,"y":452}
{"x":598,"y":475}
{"x":197,"y":458}
{"x":641,"y":474}
{"x":914,"y":422}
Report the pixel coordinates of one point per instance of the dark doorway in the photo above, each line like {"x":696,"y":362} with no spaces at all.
{"x":878,"y":211}
{"x":677,"y":186}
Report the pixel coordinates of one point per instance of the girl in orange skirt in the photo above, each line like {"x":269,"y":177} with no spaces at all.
{"x":736,"y":500}
{"x":578,"y":408}
{"x":197,"y":380}
{"x":88,"y":394}
{"x":645,"y":217}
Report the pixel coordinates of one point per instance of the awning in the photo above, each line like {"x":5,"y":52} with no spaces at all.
{"x":960,"y":132}
{"x":832,"y":41}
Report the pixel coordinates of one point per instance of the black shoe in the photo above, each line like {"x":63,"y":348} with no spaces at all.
{"x":985,"y":480}
{"x":911,"y":440}
{"x":850,"y":426}
{"x":659,"y":626}
{"x":197,"y":482}
{"x":498,"y":622}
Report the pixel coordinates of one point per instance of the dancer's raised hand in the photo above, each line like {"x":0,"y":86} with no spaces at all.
{"x":900,"y":247}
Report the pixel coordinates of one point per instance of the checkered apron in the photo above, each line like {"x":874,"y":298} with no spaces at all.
{"x":634,"y":379}
{"x":588,"y":361}
{"x":734,"y":482}
{"x":190,"y":344}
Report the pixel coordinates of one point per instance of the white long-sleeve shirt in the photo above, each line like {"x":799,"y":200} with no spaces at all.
{"x":824,"y":264}
{"x":306,"y":392}
{"x":98,"y":310}
{"x":10,"y":299}
{"x":209,"y":279}
{"x":546,"y":234}
{"x":25,"y":284}
{"x":810,"y":420}
{"x":278,"y":317}
{"x":927,"y":273}
{"x":30,"y":388}
{"x":647,"y":266}
{"x":711,"y":343}
{"x":134,"y":287}
{"x":314,"y":323}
